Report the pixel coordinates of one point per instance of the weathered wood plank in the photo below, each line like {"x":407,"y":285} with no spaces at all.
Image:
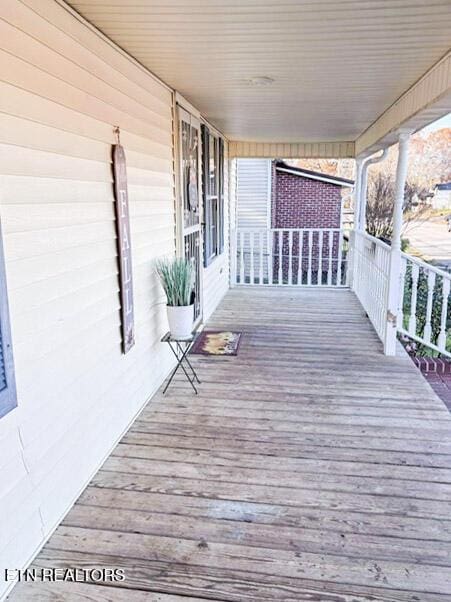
{"x":230,"y":585}
{"x":299,"y":466}
{"x":334,"y":427}
{"x":279,"y":494}
{"x":310,"y":468}
{"x":282,"y":563}
{"x":359,"y":440}
{"x":285,"y":450}
{"x":273,"y":514}
{"x":277,"y":537}
{"x":79,"y":592}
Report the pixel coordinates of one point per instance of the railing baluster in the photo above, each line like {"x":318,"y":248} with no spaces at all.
{"x":233,"y":257}
{"x":340,"y":257}
{"x":402,"y":284}
{"x":320,"y":258}
{"x":413,"y":300}
{"x":329,"y":268}
{"x":441,"y":341}
{"x":300,"y":245}
{"x":427,"y":334}
{"x":270,"y":258}
{"x":310,"y":245}
{"x":251,"y":244}
{"x":280,"y":256}
{"x":290,"y":257}
{"x":260,"y":275}
{"x":242,"y":258}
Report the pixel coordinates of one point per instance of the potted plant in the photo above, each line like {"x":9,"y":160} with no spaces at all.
{"x":177,"y":278}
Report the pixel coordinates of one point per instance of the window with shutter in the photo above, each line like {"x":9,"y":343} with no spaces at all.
{"x":213,"y":194}
{"x":8,"y":399}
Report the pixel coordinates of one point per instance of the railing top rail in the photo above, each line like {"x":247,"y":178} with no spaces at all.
{"x":305,"y":229}
{"x":373,"y":239}
{"x":239,"y":229}
{"x":427,"y":266}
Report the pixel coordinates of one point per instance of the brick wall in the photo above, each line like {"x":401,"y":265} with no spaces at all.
{"x":304,"y":203}
{"x":299,"y":202}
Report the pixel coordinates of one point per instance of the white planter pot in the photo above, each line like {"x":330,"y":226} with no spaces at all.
{"x":181,"y":320}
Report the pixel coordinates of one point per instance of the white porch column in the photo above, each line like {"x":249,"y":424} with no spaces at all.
{"x":357,"y":187}
{"x":394,"y":282}
{"x":232,"y":219}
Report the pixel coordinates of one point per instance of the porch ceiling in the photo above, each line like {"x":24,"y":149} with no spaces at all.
{"x":337,"y":65}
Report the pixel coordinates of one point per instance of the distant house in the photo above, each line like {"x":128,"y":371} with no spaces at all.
{"x":275,"y":195}
{"x":272,"y":194}
{"x":442,"y":196}
{"x":303,"y":198}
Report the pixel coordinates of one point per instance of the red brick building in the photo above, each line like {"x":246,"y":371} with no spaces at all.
{"x":305,"y":199}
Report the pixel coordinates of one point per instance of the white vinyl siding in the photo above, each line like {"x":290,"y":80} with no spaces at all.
{"x":293,"y":150}
{"x":62,"y":91}
{"x":253,"y":193}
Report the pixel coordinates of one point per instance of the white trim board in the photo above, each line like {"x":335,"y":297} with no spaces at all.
{"x":330,"y":180}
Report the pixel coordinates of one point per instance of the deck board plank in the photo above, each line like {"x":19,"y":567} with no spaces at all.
{"x":309,"y":468}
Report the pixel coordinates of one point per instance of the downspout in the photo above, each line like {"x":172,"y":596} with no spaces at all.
{"x":360,"y":192}
{"x":364,"y":186}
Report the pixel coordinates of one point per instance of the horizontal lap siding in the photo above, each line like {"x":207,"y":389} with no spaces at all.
{"x":253,"y":180}
{"x":62,"y":89}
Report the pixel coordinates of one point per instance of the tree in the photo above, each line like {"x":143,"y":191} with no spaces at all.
{"x":380,"y":202}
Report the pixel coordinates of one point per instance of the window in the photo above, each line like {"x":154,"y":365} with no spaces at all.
{"x":213,"y":194}
{"x":7,"y":383}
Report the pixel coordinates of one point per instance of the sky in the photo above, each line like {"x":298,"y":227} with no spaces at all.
{"x":444,"y":122}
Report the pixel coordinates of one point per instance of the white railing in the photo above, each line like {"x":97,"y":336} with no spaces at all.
{"x":290,"y":257}
{"x":370,"y":272}
{"x":320,"y":257}
{"x":425,"y":310}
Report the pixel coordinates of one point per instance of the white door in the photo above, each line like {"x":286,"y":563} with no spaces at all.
{"x":190,"y":204}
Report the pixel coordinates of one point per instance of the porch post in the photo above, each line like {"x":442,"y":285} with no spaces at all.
{"x":232,"y":192}
{"x":357,"y":187}
{"x":394,"y":278}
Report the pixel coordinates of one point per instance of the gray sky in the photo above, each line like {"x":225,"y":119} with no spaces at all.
{"x":444,"y":122}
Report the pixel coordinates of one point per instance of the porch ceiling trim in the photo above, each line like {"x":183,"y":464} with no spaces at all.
{"x":427,"y":100}
{"x":291,"y":150}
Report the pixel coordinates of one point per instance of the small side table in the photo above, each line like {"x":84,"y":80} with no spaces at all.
{"x":180,"y":348}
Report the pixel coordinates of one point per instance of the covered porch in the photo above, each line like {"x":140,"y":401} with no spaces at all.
{"x":313,"y":466}
{"x":309,"y":467}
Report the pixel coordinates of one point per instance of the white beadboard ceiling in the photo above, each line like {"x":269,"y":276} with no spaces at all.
{"x":337,"y":65}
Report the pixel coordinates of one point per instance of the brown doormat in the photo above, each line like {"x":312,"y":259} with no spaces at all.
{"x":217,"y":342}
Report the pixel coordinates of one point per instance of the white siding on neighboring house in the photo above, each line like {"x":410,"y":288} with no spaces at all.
{"x":62,"y":90}
{"x":253,"y":208}
{"x":441,"y":199}
{"x":253,"y":193}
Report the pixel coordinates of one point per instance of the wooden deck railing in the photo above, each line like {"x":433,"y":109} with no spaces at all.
{"x":313,"y":257}
{"x":425,"y":311}
{"x":370,"y":270}
{"x":290,"y":257}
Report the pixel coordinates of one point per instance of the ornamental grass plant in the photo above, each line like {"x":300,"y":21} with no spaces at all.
{"x":177,"y":278}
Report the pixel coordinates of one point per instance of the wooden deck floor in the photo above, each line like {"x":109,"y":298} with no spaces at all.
{"x":309,"y":468}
